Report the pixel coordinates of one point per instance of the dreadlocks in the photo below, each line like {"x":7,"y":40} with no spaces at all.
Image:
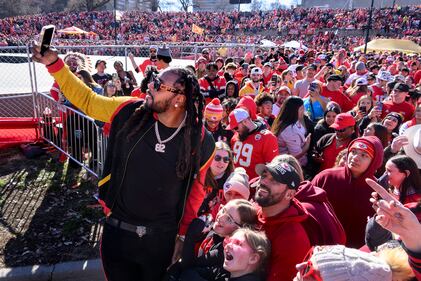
{"x":189,"y":153}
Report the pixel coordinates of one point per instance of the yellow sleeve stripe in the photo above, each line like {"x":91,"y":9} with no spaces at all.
{"x":209,"y":160}
{"x":104,"y":180}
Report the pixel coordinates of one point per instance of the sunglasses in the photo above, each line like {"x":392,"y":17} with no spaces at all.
{"x":229,"y":240}
{"x":341,"y":130}
{"x":158,"y":85}
{"x":308,"y":270}
{"x":225,"y":159}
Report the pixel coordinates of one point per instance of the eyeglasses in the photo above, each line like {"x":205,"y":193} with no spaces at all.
{"x":228,"y":218}
{"x":225,"y":159}
{"x":158,"y":85}
{"x":309,"y":270}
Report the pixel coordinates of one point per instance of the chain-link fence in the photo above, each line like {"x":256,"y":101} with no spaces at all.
{"x":25,"y":94}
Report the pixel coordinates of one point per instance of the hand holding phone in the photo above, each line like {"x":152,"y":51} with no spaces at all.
{"x":46,"y":37}
{"x":49,"y":55}
{"x":379,"y":105}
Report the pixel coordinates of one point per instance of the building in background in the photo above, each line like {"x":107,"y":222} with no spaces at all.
{"x":350,"y":4}
{"x":213,"y":5}
{"x":124,"y":5}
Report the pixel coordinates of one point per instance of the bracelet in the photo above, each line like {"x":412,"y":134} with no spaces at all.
{"x":181,"y":237}
{"x":52,"y":62}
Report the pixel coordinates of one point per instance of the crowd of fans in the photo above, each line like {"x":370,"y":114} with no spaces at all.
{"x":299,"y":133}
{"x":314,"y":27}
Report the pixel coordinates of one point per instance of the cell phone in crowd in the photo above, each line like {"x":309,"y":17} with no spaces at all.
{"x":46,"y":37}
{"x":379,"y":105}
{"x":274,"y":80}
{"x":362,"y":109}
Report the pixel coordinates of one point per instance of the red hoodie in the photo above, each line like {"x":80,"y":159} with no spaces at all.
{"x":323,"y":226}
{"x":289,"y":241}
{"x":350,"y":196}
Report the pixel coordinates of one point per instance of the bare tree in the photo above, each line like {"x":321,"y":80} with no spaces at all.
{"x":256,"y":5}
{"x":276,"y":5}
{"x":185,"y":4}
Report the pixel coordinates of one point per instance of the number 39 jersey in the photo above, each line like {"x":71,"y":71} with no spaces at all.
{"x":260,"y":147}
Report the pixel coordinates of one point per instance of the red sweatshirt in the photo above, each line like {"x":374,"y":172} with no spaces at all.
{"x":350,"y":196}
{"x":323,"y":226}
{"x":289,"y":241}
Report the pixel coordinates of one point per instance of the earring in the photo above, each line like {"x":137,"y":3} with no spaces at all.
{"x":176,"y":105}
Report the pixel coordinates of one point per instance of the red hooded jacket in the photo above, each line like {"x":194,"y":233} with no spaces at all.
{"x":248,"y":104}
{"x":350,"y":196}
{"x":289,"y":241}
{"x":323,"y":226}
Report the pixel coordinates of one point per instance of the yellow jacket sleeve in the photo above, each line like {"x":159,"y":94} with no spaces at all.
{"x":96,"y":106}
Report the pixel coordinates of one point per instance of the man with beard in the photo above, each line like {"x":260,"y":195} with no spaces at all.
{"x":252,"y":143}
{"x":255,"y":86}
{"x":329,"y":146}
{"x":211,"y":85}
{"x":150,"y":61}
{"x":158,"y":154}
{"x":283,"y":217}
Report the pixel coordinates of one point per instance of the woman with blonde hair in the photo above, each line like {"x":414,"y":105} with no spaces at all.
{"x":246,"y":255}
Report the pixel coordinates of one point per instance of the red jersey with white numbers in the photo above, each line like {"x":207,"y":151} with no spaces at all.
{"x":209,"y":92}
{"x":260,"y":147}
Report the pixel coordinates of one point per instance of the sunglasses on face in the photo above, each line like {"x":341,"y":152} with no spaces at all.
{"x":233,"y":241}
{"x":225,"y":159}
{"x":158,"y":85}
{"x":341,"y":130}
{"x":308,"y":270}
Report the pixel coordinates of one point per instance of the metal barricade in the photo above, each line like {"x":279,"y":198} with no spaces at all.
{"x":78,"y":136}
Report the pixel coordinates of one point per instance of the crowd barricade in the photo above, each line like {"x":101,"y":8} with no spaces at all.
{"x":76,"y":135}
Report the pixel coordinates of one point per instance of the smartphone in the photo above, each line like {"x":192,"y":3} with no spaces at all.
{"x":379,"y":105}
{"x":362,"y":109}
{"x":115,"y":77}
{"x":46,"y":37}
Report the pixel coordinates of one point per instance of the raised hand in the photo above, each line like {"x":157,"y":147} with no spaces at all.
{"x":398,"y":142}
{"x":395,"y":217}
{"x":49,"y":57}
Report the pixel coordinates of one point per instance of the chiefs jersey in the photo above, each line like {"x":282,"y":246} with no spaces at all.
{"x":212,"y":89}
{"x":260,"y":147}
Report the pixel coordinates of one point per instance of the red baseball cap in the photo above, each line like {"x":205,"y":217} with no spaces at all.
{"x":235,"y":117}
{"x":342,"y":121}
